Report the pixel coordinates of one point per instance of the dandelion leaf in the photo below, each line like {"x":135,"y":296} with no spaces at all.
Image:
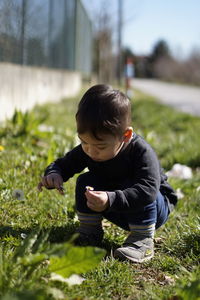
{"x":77,"y":260}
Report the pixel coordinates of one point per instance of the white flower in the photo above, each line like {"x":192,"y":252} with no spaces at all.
{"x":18,"y":194}
{"x":89,"y":188}
{"x":27,"y":163}
{"x":23,"y":235}
{"x":33,"y":158}
{"x":75,"y":218}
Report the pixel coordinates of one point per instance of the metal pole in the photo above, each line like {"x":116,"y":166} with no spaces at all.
{"x":23,"y":32}
{"x":50,"y":26}
{"x":75,"y":44}
{"x":119,"y":71}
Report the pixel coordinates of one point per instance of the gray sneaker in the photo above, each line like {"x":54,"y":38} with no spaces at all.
{"x":137,"y":249}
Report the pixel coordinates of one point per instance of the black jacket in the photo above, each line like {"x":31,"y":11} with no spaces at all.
{"x":136,"y":161}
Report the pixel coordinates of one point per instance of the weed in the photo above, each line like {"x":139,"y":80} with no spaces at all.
{"x":23,"y":268}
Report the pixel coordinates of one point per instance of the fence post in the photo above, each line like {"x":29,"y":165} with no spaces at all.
{"x":23,"y":31}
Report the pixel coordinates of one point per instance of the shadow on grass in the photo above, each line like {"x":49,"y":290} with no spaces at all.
{"x":56,"y":235}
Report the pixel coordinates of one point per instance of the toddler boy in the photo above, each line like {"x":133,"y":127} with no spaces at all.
{"x":125,"y":183}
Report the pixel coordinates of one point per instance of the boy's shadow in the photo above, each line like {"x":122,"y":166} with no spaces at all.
{"x":56,"y":235}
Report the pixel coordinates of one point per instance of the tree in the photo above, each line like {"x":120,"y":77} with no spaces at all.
{"x":159,"y":53}
{"x":160,"y":50}
{"x":102,"y":51}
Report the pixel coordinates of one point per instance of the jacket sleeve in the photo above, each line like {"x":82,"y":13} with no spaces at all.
{"x":145,"y":186}
{"x":73,"y":162}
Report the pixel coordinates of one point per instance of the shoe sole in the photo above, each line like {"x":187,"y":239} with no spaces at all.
{"x":123,"y":257}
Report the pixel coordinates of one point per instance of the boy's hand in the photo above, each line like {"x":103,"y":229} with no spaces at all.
{"x":97,"y":200}
{"x":52,"y":181}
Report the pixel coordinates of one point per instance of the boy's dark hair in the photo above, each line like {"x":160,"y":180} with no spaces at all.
{"x":103,"y":110}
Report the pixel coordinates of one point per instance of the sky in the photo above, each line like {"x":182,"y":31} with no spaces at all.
{"x":147,"y":21}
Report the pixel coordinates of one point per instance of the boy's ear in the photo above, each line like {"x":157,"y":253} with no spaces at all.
{"x":128,"y":134}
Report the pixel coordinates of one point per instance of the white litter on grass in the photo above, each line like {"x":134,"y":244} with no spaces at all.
{"x":151,"y":136}
{"x":180,"y":171}
{"x":72,"y":280}
{"x":45,"y":128}
{"x":179,"y":193}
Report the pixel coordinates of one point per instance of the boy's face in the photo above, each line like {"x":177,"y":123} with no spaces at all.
{"x":100,"y":150}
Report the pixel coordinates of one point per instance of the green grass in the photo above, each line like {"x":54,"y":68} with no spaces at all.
{"x":173,"y":135}
{"x":28,"y":148}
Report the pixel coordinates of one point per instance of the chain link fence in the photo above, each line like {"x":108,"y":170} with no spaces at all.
{"x":48,"y":33}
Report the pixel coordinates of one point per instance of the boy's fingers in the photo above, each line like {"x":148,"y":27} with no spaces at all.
{"x":44,"y":181}
{"x":40,"y":185}
{"x":59,"y":187}
{"x":61,"y":190}
{"x":57,"y":184}
{"x":50,"y":181}
{"x":90,"y":204}
{"x":91,"y":195}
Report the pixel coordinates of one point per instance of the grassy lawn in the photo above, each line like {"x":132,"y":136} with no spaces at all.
{"x":36,"y":228}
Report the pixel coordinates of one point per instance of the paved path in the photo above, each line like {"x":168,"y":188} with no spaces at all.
{"x":182,"y":97}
